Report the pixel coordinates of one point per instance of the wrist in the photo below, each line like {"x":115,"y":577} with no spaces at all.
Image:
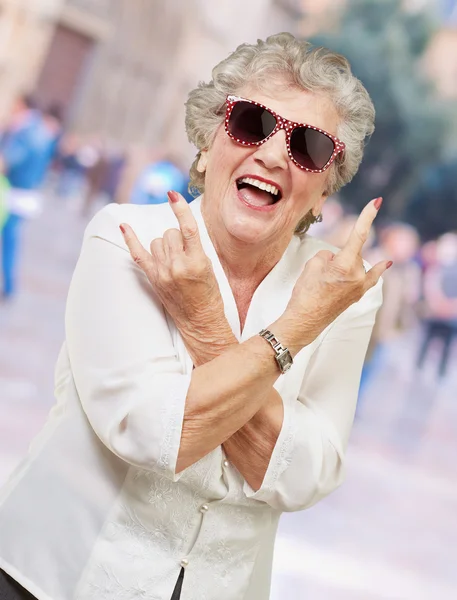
{"x":289,"y":334}
{"x":206,"y":342}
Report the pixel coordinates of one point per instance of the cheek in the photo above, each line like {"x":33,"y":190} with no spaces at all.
{"x":223,"y":159}
{"x":218,"y":160}
{"x":308,"y":188}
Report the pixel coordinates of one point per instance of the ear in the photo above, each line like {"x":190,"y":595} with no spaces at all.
{"x":317,"y":208}
{"x":203,"y":161}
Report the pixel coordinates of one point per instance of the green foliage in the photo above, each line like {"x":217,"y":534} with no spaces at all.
{"x":384,"y":45}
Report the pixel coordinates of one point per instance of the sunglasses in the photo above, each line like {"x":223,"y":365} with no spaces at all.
{"x":252,"y":124}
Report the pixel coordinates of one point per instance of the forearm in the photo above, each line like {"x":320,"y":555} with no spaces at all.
{"x":250,"y":447}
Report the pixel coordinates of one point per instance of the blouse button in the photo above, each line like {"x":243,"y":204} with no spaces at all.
{"x":204,"y":508}
{"x":226,"y":463}
{"x":184,"y":563}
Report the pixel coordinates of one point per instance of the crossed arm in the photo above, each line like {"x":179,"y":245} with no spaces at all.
{"x":249,"y":448}
{"x":127,"y":373}
{"x":248,"y":420}
{"x":122,"y":382}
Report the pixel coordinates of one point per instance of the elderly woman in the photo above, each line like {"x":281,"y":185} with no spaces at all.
{"x":209,"y":383}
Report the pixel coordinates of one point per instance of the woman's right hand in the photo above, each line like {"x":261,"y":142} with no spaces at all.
{"x":330,"y":283}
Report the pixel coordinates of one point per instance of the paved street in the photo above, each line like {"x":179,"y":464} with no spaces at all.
{"x":390,"y":533}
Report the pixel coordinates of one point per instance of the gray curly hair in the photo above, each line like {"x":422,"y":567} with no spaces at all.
{"x":282,"y":58}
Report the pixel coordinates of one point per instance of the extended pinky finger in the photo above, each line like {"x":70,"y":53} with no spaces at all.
{"x":373,"y":275}
{"x":139,"y":254}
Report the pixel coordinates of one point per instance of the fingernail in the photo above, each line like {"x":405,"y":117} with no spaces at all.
{"x":122,"y":228}
{"x":389,"y":264}
{"x":377,"y":203}
{"x":173,"y":197}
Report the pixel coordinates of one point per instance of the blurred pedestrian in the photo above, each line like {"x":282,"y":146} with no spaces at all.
{"x":27,"y":149}
{"x":156,"y":180}
{"x":70,"y":167}
{"x":341,"y":230}
{"x":96,"y":174}
{"x":332,"y":213}
{"x":4,"y":189}
{"x":440,"y":301}
{"x":23,"y":108}
{"x":401,"y":292}
{"x":115,"y":157}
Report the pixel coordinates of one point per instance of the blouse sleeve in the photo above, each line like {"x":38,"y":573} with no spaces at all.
{"x":129,"y":379}
{"x":308,"y":459}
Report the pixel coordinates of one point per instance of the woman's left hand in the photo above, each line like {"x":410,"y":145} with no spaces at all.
{"x":182,"y":276}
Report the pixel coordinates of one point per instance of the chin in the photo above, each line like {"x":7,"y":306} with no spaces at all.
{"x":246,"y":229}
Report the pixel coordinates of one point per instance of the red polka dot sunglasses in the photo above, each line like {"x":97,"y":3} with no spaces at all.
{"x":252,"y":124}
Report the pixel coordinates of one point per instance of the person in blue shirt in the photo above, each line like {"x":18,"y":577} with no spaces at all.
{"x":156,"y":180}
{"x":27,"y":149}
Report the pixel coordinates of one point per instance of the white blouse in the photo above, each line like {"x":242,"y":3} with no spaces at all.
{"x":96,"y":510}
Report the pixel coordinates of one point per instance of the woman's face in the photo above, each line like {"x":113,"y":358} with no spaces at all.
{"x":240,"y":214}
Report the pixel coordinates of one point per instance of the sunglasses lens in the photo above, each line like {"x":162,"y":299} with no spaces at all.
{"x":310,"y":148}
{"x":250,"y":123}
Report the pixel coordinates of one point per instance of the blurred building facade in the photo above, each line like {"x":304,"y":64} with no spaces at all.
{"x":26,"y":29}
{"x":121,"y":69}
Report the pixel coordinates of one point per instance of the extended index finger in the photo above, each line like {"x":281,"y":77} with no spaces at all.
{"x":360,"y":231}
{"x":137,"y":251}
{"x":186,"y":220}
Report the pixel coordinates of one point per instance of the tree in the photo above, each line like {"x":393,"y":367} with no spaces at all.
{"x":384,"y":45}
{"x":432,"y":207}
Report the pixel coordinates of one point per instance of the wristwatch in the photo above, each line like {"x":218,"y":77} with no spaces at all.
{"x":282,"y":354}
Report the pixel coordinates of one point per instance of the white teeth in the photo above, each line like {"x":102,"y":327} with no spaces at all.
{"x":261,"y":185}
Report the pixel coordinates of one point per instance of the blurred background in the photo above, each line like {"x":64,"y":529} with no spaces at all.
{"x":103,"y":83}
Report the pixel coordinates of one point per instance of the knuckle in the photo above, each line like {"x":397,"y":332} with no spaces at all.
{"x":202,"y":262}
{"x":360,"y":273}
{"x":165,"y":278}
{"x":156,"y":246}
{"x":362,"y":235}
{"x":190,"y":231}
{"x":201,"y":268}
{"x":178,"y":270}
{"x":342,"y":268}
{"x":170,"y":233}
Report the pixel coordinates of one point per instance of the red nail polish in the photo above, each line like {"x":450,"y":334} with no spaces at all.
{"x":389,"y":264}
{"x":377,"y":203}
{"x":122,"y":228}
{"x":173,"y":196}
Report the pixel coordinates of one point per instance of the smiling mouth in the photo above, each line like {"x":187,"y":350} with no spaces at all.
{"x":258,"y":193}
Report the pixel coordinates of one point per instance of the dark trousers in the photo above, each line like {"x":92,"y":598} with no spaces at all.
{"x":11,"y":590}
{"x":443,"y":331}
{"x":177,"y":593}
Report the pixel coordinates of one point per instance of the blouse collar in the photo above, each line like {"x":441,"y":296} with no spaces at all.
{"x":272,"y":295}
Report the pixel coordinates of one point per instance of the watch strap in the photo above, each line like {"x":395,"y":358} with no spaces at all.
{"x":282,"y":354}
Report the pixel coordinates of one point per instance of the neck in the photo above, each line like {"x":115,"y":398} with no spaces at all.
{"x":246,"y":265}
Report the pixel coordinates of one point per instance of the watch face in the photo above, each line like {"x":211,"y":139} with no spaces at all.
{"x":285,"y":361}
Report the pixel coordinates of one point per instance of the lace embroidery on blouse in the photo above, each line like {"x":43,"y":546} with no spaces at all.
{"x":171,"y":423}
{"x":108,"y":586}
{"x":283,"y":457}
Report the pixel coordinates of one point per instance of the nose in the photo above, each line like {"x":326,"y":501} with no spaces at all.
{"x":273,"y":153}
